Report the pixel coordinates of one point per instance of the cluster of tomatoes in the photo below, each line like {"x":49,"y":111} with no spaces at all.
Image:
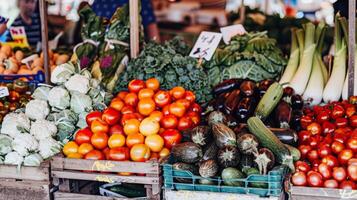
{"x":140,"y":124}
{"x":328,"y":147}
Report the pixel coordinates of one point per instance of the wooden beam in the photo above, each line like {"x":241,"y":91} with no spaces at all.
{"x":44,"y":36}
{"x":351,"y":46}
{"x":134,"y":28}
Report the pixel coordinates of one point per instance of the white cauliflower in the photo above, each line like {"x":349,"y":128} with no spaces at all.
{"x":81,"y":103}
{"x":24,"y":143}
{"x":59,"y":98}
{"x":34,"y":159}
{"x":78,"y":83}
{"x":62,"y":73}
{"x":49,"y":147}
{"x":5,"y":144}
{"x":13,"y":158}
{"x":37,"y":109}
{"x":14,"y":124}
{"x":42,"y":129}
{"x":41,"y":93}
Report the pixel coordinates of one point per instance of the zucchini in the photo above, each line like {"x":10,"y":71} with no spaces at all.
{"x":294,"y":152}
{"x":269,"y":100}
{"x":268,"y":140}
{"x":255,"y":184}
{"x":129,"y":191}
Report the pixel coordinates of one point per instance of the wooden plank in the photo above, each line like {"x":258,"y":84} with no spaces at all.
{"x":23,"y":190}
{"x":74,"y":196}
{"x":351,"y":46}
{"x":134,"y":28}
{"x":101,"y":177}
{"x":105,"y":165}
{"x":322,"y":193}
{"x":44,"y":36}
{"x":25,"y":173}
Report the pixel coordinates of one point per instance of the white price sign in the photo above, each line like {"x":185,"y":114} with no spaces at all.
{"x":231,"y":31}
{"x":206,"y":45}
{"x":4,"y":92}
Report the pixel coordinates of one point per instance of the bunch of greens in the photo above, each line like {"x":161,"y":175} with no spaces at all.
{"x":252,"y":56}
{"x":170,"y":65}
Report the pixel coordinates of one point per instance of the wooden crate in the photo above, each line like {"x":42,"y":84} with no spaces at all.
{"x":25,"y":183}
{"x":63,"y":170}
{"x":303,"y":193}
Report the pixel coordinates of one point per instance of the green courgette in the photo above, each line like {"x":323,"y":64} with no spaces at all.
{"x":294,"y":152}
{"x":268,"y":140}
{"x":269,"y":100}
{"x":130,"y":191}
{"x":252,"y":183}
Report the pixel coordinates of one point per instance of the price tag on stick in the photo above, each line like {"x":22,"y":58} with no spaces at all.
{"x":206,"y":45}
{"x":4,"y":92}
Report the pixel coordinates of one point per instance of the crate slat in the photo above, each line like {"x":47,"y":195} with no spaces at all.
{"x":74,"y":196}
{"x":25,"y":173}
{"x":24,"y":190}
{"x":299,"y":193}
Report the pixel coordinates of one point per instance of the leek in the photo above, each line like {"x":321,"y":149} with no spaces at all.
{"x":302,"y":75}
{"x":293,"y":60}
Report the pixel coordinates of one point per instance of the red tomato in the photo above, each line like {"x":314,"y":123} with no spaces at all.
{"x":177,"y":109}
{"x":324,"y":151}
{"x":184,"y":102}
{"x":94,"y":155}
{"x":116,"y":129}
{"x":302,"y":166}
{"x":195,"y":118}
{"x":165,"y":110}
{"x":312,"y":155}
{"x":352,"y":172}
{"x":121,"y":95}
{"x":136,"y":85}
{"x":341,"y":137}
{"x":337,"y":112}
{"x":178,"y":92}
{"x":99,"y":126}
{"x":127,"y":117}
{"x":350,"y":110}
{"x":352,"y":161}
{"x":352,"y":144}
{"x":314,"y":128}
{"x":341,"y":122}
{"x":106,"y":153}
{"x":353,"y":121}
{"x":195,"y":108}
{"x":127,"y":110}
{"x":328,"y":127}
{"x":139,"y":116}
{"x":162,"y":98}
{"x":337,"y":147}
{"x":184,"y":123}
{"x":322,"y":117}
{"x":111,"y":116}
{"x":325,"y":170}
{"x":330,"y":160}
{"x":169,"y":122}
{"x":348,"y":185}
{"x":304,"y":136}
{"x":304,"y":149}
{"x":331,"y":183}
{"x":190,"y":96}
{"x":131,"y":99}
{"x":119,"y":154}
{"x":305,"y":121}
{"x":314,"y":141}
{"x":344,"y":156}
{"x":83,"y":136}
{"x":314,"y":179}
{"x":339,"y":173}
{"x":93,"y":116}
{"x":99,"y":140}
{"x":299,"y":179}
{"x":171,"y":137}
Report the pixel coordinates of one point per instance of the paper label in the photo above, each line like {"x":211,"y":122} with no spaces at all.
{"x":18,"y":34}
{"x":230,"y":31}
{"x":4,"y":91}
{"x":206,"y":45}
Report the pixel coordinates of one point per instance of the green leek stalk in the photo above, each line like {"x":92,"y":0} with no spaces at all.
{"x":300,"y":34}
{"x":302,"y":75}
{"x":334,"y":86}
{"x":293,"y":60}
{"x":320,"y":44}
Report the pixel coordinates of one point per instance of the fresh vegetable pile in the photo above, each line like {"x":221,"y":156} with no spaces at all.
{"x":252,"y":56}
{"x":139,"y":124}
{"x":328,"y":146}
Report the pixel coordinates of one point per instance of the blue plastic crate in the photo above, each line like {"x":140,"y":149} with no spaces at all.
{"x":274,"y":181}
{"x":34,"y":79}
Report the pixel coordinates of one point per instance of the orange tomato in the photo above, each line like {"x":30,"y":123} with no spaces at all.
{"x":184,"y":102}
{"x":164,"y":152}
{"x":157,"y":115}
{"x":177,"y":109}
{"x":122,"y":94}
{"x":149,"y":126}
{"x":154,"y":142}
{"x":75,"y":156}
{"x":94,"y":155}
{"x":85,"y":148}
{"x":99,"y":126}
{"x":136,"y":138}
{"x":117,"y":104}
{"x":152,"y":83}
{"x":162,"y":98}
{"x":146,"y":106}
{"x":140,"y":153}
{"x":178,"y":92}
{"x":126,"y":117}
{"x":131,"y":99}
{"x":116,"y":140}
{"x":70,"y":147}
{"x":131,"y":126}
{"x":99,"y":140}
{"x":106,"y":153}
{"x":136,"y":85}
{"x":190,"y":96}
{"x":146,"y":93}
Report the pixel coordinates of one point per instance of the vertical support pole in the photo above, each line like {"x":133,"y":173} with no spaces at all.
{"x":44,"y":36}
{"x":351,"y":46}
{"x":134,"y":28}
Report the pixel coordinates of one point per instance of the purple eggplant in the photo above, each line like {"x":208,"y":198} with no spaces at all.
{"x":226,"y":86}
{"x":245,"y":109}
{"x":248,"y":88}
{"x":283,"y":114}
{"x":264,"y":85}
{"x":232,"y":101}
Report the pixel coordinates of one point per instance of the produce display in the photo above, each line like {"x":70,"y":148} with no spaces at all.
{"x":328,"y":146}
{"x":140,"y":124}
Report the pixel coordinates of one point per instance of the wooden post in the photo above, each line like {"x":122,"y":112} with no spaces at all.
{"x":44,"y":36}
{"x":134,"y":28}
{"x":351,"y":46}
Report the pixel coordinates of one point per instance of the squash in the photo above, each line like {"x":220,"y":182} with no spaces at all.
{"x":3,"y":56}
{"x":62,"y":59}
{"x":55,"y":56}
{"x":24,"y":71}
{"x":8,"y":72}
{"x":19,"y":55}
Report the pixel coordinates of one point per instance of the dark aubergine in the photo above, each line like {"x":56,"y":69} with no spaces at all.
{"x":265,"y":160}
{"x":220,"y":101}
{"x":248,"y":88}
{"x":228,"y":156}
{"x":286,"y":136}
{"x":295,"y":119}
{"x":210,"y":151}
{"x":201,"y":135}
{"x":283,"y":114}
{"x":245,"y":109}
{"x":246,"y":161}
{"x":232,"y":101}
{"x":264,"y":85}
{"x":226,"y":86}
{"x":297,"y":102}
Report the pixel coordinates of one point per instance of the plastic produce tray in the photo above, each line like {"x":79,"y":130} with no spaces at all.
{"x":34,"y":79}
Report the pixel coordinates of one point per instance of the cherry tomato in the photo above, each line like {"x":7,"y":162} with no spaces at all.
{"x":184,"y":123}
{"x":305,"y":121}
{"x":152,"y":83}
{"x":177,"y":92}
{"x":94,"y":155}
{"x":117,"y":104}
{"x":325,"y":170}
{"x":315,"y":164}
{"x":331,"y":183}
{"x":302,"y":166}
{"x":337,"y":147}
{"x":339,"y":173}
{"x":352,"y":144}
{"x":304,"y":149}
{"x":171,"y":137}
{"x":136,"y":85}
{"x":314,"y":179}
{"x":83,"y":136}
{"x":146,"y":93}
{"x":140,"y":153}
{"x":131,"y":99}
{"x":169,"y":122}
{"x":190,"y":96}
{"x":162,"y":98}
{"x":299,"y":179}
{"x":348,"y":185}
{"x":324,"y":151}
{"x":337,"y":112}
{"x":344,"y":156}
{"x":177,"y":109}
{"x":352,"y":172}
{"x":99,"y":126}
{"x":312,"y":155}
{"x":99,"y":140}
{"x":350,"y":110}
{"x":341,"y":122}
{"x":195,"y":118}
{"x":304,"y":136}
{"x":353,"y":121}
{"x":314,"y":128}
{"x":127,"y":110}
{"x":111,"y":116}
{"x":133,"y":139}
{"x":330,"y":160}
{"x":93,"y":116}
{"x":322,"y":117}
{"x":146,"y":106}
{"x":119,"y":154}
{"x":121,"y":95}
{"x":116,"y":129}
{"x":195,"y":108}
{"x":328,"y":127}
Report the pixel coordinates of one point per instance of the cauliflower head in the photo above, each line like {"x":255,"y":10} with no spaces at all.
{"x":13,"y":158}
{"x":77,"y":83}
{"x":24,"y":143}
{"x":37,"y":109}
{"x":59,"y":98}
{"x":49,"y":147}
{"x":42,"y":129}
{"x":14,"y":124}
{"x":62,"y":73}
